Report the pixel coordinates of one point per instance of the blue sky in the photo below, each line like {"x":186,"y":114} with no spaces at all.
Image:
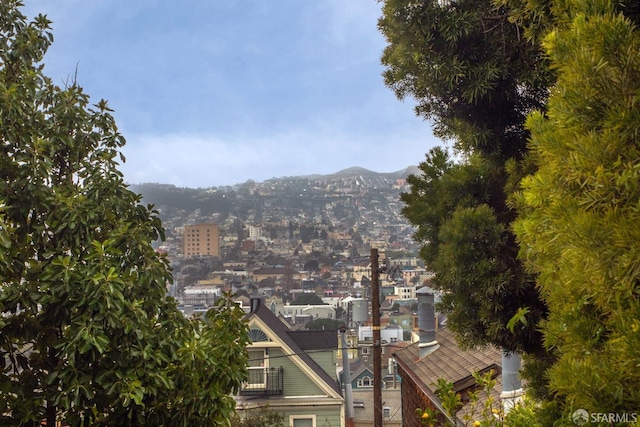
{"x":211,"y":93}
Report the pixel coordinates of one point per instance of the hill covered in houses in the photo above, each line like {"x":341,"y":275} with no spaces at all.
{"x":312,"y":223}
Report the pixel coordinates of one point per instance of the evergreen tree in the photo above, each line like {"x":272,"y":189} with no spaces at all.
{"x":476,"y":79}
{"x":579,"y":229}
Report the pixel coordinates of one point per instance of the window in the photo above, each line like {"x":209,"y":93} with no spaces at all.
{"x":257,"y":363}
{"x":365,"y":382}
{"x":257,"y":335}
{"x":365,"y":350}
{"x":302,"y":420}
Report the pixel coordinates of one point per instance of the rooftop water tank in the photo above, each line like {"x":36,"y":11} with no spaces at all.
{"x":360,"y":310}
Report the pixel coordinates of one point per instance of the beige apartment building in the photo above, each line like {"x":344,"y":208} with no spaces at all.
{"x":201,"y":239}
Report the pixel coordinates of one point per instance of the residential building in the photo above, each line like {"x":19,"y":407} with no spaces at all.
{"x":315,"y":311}
{"x":361,"y":375}
{"x":388,"y":334}
{"x":403,"y":318}
{"x":291,"y":372}
{"x":276,"y":274}
{"x":255,"y":232}
{"x":404,"y":292}
{"x":364,"y":408}
{"x":201,"y":240}
{"x":415,"y":275}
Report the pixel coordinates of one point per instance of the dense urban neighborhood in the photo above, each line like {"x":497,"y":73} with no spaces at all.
{"x":296,"y":255}
{"x":269,"y":233}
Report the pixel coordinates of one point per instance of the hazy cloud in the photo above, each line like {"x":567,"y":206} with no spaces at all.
{"x":211,"y":93}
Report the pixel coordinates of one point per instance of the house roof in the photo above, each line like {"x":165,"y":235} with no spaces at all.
{"x":315,"y":340}
{"x":449,"y":361}
{"x":357,"y":367}
{"x":286,"y":335}
{"x":272,"y":271}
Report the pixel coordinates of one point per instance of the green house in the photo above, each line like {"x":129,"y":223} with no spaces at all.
{"x":291,"y":372}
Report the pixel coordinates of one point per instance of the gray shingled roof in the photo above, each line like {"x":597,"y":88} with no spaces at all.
{"x":315,"y":340}
{"x":357,"y":367}
{"x":449,"y":361}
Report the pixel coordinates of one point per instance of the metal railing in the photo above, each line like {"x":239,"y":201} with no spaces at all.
{"x":264,"y":382}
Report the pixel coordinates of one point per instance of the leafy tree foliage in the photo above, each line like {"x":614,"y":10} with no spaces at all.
{"x":468,"y":69}
{"x":579,"y":205}
{"x":480,"y":408}
{"x":263,"y":417}
{"x":312,"y":265}
{"x":579,"y":229}
{"x":472,"y":253}
{"x":87,"y":335}
{"x":476,"y":77}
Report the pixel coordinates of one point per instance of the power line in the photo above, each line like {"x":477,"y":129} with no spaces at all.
{"x":320,"y":351}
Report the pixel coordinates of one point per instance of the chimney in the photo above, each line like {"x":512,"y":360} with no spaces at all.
{"x":511,"y":385}
{"x":255,"y":303}
{"x":426,"y":321}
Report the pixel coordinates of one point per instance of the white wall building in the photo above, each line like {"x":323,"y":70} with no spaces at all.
{"x":405,"y":292}
{"x":315,"y":311}
{"x":389,"y":334}
{"x":255,"y":233}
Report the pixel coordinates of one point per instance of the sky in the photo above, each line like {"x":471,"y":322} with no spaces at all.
{"x":218,"y":92}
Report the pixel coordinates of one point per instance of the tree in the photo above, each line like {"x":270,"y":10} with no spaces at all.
{"x":579,"y":226}
{"x":263,"y":417}
{"x":471,"y":252}
{"x":475,"y":77}
{"x":312,"y":265}
{"x":578,"y":205}
{"x":480,"y":408}
{"x":88,"y":335}
{"x":467,"y":68}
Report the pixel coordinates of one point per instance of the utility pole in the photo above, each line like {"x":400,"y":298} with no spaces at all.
{"x":377,"y":356}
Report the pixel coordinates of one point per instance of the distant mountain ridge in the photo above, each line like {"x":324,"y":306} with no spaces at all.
{"x":351,"y":172}
{"x":307,"y":195}
{"x":360,"y":171}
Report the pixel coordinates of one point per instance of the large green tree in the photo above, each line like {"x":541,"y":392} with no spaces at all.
{"x":475,"y":78}
{"x":87,"y":335}
{"x":581,"y":209}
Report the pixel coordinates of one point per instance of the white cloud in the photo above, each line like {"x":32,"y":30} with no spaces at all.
{"x":214,"y":160}
{"x":211,"y":93}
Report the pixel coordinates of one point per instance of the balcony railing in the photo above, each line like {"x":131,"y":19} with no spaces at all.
{"x":264,"y":382}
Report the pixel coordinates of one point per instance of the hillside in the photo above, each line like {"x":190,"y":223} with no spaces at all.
{"x":284,"y":190}
{"x":348,"y":200}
